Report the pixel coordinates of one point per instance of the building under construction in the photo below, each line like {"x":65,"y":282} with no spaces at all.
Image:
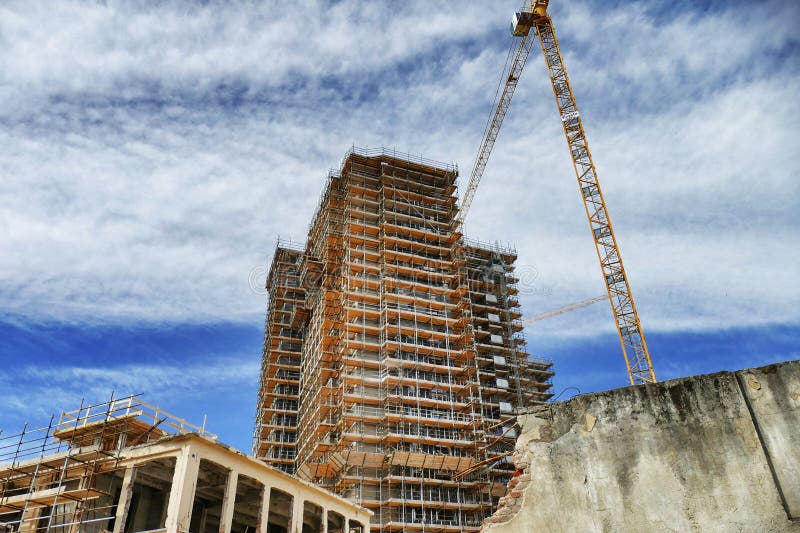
{"x":125,"y":466}
{"x":394,"y":357}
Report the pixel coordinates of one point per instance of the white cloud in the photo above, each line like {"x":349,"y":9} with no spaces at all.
{"x":36,"y":391}
{"x":152,"y":154}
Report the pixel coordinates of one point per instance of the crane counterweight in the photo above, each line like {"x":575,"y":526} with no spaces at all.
{"x":521,"y":23}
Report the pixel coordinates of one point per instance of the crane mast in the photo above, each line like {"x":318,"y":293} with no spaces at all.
{"x":634,"y":346}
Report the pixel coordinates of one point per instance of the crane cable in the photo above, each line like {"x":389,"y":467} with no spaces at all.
{"x":497,"y":90}
{"x":509,"y":82}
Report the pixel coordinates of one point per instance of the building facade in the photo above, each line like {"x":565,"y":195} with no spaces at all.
{"x":394,"y":357}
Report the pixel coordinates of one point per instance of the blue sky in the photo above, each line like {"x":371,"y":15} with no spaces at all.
{"x":150,"y":154}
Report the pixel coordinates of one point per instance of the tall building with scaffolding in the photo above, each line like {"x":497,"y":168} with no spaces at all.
{"x":394,"y":357}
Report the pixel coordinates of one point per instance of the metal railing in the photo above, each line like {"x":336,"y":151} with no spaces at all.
{"x":396,"y":154}
{"x":125,"y":407}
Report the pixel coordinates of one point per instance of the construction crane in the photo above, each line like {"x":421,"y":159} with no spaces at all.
{"x":537,"y":22}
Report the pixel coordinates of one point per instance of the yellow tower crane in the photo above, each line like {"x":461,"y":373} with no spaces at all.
{"x":537,"y":21}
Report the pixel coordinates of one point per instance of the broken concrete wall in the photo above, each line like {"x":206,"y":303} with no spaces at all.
{"x":719,"y":452}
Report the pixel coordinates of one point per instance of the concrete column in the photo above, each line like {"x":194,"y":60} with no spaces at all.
{"x":181,"y":497}
{"x":297,"y":514}
{"x":263,"y":515}
{"x":29,"y":517}
{"x":228,"y":500}
{"x":125,"y":495}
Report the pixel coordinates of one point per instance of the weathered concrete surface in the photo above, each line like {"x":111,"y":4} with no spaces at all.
{"x":681,"y":455}
{"x":773,"y":393}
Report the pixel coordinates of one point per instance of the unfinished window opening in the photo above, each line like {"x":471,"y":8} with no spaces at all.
{"x":247,"y":505}
{"x":208,"y":497}
{"x":147,"y":509}
{"x":10,"y":519}
{"x":280,"y":511}
{"x":312,"y":518}
{"x":59,"y":508}
{"x":97,"y":513}
{"x":335,"y":522}
{"x":42,"y":517}
{"x":50,"y":518}
{"x":356,"y":527}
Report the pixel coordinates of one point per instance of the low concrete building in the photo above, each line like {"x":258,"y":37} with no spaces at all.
{"x":718,"y":452}
{"x":125,"y":467}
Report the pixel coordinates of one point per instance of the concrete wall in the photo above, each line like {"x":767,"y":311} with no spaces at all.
{"x":719,"y":452}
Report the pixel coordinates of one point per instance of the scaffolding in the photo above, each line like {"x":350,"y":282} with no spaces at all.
{"x":408,"y":346}
{"x":65,"y":477}
{"x":279,"y":383}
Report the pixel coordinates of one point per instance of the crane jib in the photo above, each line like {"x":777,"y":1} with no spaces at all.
{"x":493,"y":129}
